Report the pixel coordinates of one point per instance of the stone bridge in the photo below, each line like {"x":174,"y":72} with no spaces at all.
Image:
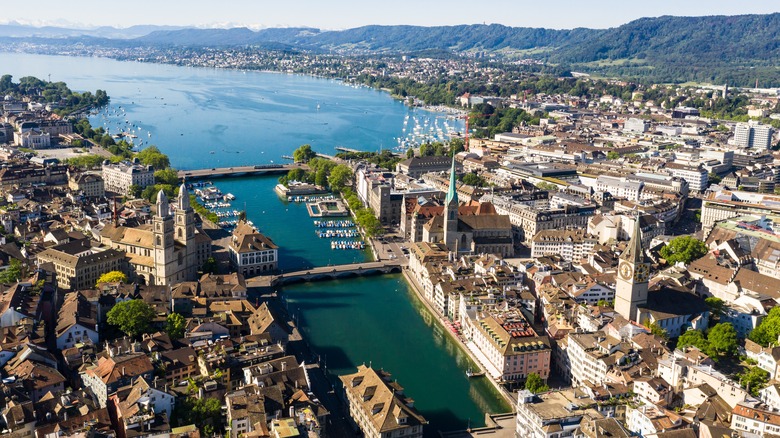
{"x":327,"y":273}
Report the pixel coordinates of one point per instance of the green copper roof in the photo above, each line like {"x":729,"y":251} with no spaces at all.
{"x":452,"y":193}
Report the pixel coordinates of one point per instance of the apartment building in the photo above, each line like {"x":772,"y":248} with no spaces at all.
{"x":120,"y":176}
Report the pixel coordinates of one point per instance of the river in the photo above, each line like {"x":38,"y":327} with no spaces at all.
{"x":254,"y":118}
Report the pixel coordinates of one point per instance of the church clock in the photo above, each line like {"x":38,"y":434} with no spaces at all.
{"x":625,"y":271}
{"x":642,"y":273}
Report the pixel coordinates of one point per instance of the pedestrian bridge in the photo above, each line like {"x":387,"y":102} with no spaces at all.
{"x":327,"y":273}
{"x":260,"y":169}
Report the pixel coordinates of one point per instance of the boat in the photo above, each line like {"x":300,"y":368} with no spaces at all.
{"x":470,"y":373}
{"x":230,"y":197}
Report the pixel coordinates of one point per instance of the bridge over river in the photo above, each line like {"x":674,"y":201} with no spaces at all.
{"x":260,"y":169}
{"x":327,"y":273}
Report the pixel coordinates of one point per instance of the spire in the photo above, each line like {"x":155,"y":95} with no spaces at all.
{"x":184,"y":198}
{"x":452,"y":193}
{"x":634,"y":252}
{"x":162,"y":205}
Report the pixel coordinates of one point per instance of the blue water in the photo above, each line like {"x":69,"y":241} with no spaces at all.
{"x":244,"y":117}
{"x":254,"y":118}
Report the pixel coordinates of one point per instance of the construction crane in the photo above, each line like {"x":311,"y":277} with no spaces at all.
{"x":466,"y":118}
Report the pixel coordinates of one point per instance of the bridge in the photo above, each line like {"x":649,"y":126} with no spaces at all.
{"x":327,"y":273}
{"x":218,"y":172}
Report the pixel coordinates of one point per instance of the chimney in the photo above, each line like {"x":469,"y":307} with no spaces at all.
{"x":123,"y":371}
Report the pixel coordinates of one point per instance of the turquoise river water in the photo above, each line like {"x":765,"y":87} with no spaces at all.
{"x":255,"y":118}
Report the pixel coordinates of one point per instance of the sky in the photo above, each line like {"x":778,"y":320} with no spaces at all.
{"x":343,"y":14}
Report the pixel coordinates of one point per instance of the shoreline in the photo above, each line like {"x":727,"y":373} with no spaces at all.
{"x":414,"y":286}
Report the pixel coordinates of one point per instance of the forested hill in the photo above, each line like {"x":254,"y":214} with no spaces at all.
{"x":722,"y":49}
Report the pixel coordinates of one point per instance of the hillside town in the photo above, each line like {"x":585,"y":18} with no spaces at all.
{"x":611,"y":270}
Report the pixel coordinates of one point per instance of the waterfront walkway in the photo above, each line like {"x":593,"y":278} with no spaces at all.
{"x":327,"y":273}
{"x":260,"y":169}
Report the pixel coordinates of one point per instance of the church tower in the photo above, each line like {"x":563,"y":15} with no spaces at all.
{"x":162,"y":225}
{"x":451,"y":213}
{"x":184,"y":231}
{"x":633,"y":275}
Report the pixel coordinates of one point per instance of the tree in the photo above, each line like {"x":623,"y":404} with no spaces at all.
{"x":13,"y":273}
{"x":205,"y":413}
{"x":612,"y":155}
{"x":210,"y":266}
{"x":152,"y":156}
{"x":134,"y":191}
{"x":340,"y":176}
{"x":683,"y":249}
{"x":174,"y":325}
{"x":457,"y":145}
{"x":713,"y":178}
{"x":716,"y":306}
{"x":753,"y":379}
{"x":166,"y":176}
{"x":112,"y":277}
{"x":768,"y":330}
{"x":410,"y":153}
{"x":694,"y":338}
{"x":550,"y":187}
{"x":535,"y":384}
{"x":132,"y":317}
{"x":303,"y":154}
{"x":723,"y":339}
{"x":321,"y":178}
{"x":472,"y":179}
{"x":656,"y":329}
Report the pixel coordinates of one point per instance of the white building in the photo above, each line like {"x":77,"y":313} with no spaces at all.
{"x":571,"y":245}
{"x":753,"y":135}
{"x":619,"y":187}
{"x":119,"y":177}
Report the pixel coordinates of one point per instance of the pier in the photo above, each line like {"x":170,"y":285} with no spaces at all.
{"x":327,"y":273}
{"x":220,"y":172}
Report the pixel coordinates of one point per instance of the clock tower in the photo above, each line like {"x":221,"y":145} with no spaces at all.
{"x":633,"y":275}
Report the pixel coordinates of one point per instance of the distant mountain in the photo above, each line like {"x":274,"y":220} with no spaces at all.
{"x":23,"y":31}
{"x":730,"y":49}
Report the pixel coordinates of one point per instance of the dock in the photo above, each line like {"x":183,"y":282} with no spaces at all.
{"x":260,"y":169}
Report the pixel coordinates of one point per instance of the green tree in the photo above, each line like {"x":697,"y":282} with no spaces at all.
{"x":768,"y":330}
{"x":134,"y":191}
{"x":166,"y":176}
{"x":174,"y":325}
{"x":13,"y":273}
{"x":303,"y":154}
{"x":205,"y":413}
{"x":612,"y":155}
{"x":656,"y":329}
{"x":723,"y":339}
{"x":694,"y":338}
{"x":321,"y":178}
{"x":340,"y":176}
{"x":410,"y":153}
{"x":457,"y":145}
{"x":753,"y":379}
{"x":716,"y":306}
{"x":132,"y":317}
{"x":550,"y":187}
{"x":152,"y":156}
{"x":473,"y":179}
{"x":112,"y":277}
{"x":535,"y":384}
{"x":713,"y":178}
{"x":210,"y":266}
{"x":683,"y":249}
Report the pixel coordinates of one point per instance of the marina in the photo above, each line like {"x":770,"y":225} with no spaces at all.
{"x":394,"y":326}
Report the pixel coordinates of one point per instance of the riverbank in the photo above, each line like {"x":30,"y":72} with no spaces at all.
{"x":418,"y":291}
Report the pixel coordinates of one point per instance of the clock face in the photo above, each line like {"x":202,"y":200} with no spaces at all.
{"x":642,"y":272}
{"x":625,"y":271}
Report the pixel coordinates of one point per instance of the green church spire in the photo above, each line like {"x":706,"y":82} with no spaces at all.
{"x":452,"y":193}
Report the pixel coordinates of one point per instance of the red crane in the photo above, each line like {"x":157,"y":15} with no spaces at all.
{"x":466,"y":118}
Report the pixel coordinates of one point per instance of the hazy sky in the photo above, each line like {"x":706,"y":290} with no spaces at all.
{"x":340,"y":14}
